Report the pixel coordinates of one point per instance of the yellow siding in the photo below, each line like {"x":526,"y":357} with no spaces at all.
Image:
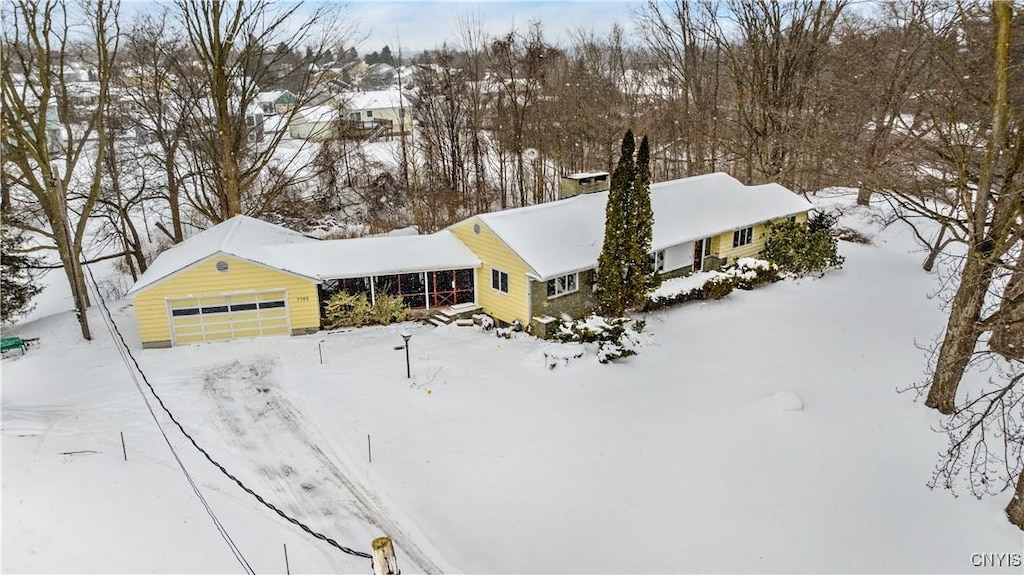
{"x":721,"y":245}
{"x":203,"y":279}
{"x":494,"y":254}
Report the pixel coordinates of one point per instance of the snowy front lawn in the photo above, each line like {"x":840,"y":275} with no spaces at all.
{"x":759,"y":433}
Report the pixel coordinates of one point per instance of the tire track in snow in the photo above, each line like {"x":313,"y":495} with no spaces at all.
{"x":256,"y":412}
{"x":379,"y":517}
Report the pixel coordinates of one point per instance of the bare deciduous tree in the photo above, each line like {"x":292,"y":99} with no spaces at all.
{"x":992,"y":204}
{"x":683,"y":41}
{"x":237,"y":49}
{"x":772,"y":63}
{"x":54,"y":147}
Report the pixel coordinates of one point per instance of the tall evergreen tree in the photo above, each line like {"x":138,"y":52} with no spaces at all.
{"x":640,"y":276}
{"x":17,"y":281}
{"x":611,"y":265}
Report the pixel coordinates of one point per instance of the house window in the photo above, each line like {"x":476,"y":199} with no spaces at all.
{"x":253,"y":127}
{"x":657,"y":260}
{"x":743,"y":237}
{"x":792,"y":218}
{"x":563,"y":285}
{"x":499,"y":280}
{"x":369,"y":113}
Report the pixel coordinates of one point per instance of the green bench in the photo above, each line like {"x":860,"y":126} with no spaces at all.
{"x":12,"y":343}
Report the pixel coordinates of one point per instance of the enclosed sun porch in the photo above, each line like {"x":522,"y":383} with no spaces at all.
{"x":434,"y":271}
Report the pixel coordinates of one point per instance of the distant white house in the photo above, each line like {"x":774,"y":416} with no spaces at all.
{"x":316,"y":123}
{"x":204,"y":112}
{"x":54,"y":128}
{"x":388,"y":108}
{"x":84,"y":94}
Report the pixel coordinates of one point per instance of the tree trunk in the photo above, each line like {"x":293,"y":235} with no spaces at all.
{"x":174,"y":199}
{"x":961,"y":333}
{"x":1015,"y":510}
{"x":864,"y":196}
{"x":75,"y":274}
{"x":935,"y":249}
{"x":1008,"y":336}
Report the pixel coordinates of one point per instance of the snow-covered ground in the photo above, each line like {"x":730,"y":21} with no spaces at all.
{"x":759,"y":433}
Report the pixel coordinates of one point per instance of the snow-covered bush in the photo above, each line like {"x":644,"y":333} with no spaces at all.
{"x":354,"y":310}
{"x":717,"y":287}
{"x":485,"y":321}
{"x":614,"y":337}
{"x":746,"y":273}
{"x":751,"y":273}
{"x":344,"y":310}
{"x":388,"y":309}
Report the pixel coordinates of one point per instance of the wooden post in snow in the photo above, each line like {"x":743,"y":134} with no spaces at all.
{"x":384,"y":561}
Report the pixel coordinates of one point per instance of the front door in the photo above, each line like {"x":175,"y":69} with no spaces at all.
{"x":701,"y":250}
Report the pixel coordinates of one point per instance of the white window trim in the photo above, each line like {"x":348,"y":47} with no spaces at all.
{"x":750,"y":237}
{"x":507,"y":278}
{"x":567,"y":292}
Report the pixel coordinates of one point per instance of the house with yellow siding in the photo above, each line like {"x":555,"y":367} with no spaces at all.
{"x":539,"y":262}
{"x":249,"y":278}
{"x":525,"y":266}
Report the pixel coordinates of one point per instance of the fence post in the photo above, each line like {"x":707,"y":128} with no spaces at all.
{"x":384,"y":561}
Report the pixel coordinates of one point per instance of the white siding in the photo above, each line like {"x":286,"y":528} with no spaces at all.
{"x":678,"y":256}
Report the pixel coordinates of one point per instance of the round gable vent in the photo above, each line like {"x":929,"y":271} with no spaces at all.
{"x":222,"y":266}
{"x":476,"y":229}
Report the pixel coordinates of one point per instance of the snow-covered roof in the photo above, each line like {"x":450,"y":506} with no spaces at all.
{"x":269,"y":97}
{"x":272,"y":96}
{"x":566,"y":236}
{"x":321,"y":113}
{"x":286,"y":250}
{"x":582,"y":175}
{"x":240,"y":236}
{"x":363,"y":257}
{"x":373,"y":100}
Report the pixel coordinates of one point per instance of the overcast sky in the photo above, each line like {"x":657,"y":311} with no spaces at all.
{"x":424,"y":25}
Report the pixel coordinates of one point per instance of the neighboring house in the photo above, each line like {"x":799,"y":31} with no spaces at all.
{"x":276,"y":102}
{"x":203,"y":116}
{"x":315,"y":123}
{"x":254,"y":125}
{"x":56,"y":131}
{"x":84,"y":94}
{"x":387,"y":110}
{"x":246,"y":277}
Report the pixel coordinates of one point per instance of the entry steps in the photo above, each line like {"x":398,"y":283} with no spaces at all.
{"x":459,"y":314}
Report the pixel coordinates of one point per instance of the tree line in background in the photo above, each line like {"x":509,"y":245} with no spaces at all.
{"x":145,"y":126}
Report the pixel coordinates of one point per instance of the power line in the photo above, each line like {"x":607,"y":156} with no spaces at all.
{"x":206,"y":454}
{"x":108,"y":322}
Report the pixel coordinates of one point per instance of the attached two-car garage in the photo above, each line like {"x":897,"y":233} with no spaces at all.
{"x":217,"y":286}
{"x":210,"y":318}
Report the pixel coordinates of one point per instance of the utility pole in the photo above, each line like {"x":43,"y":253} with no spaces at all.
{"x":384,"y":560}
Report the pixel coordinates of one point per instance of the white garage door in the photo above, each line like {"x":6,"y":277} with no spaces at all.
{"x":232,"y":316}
